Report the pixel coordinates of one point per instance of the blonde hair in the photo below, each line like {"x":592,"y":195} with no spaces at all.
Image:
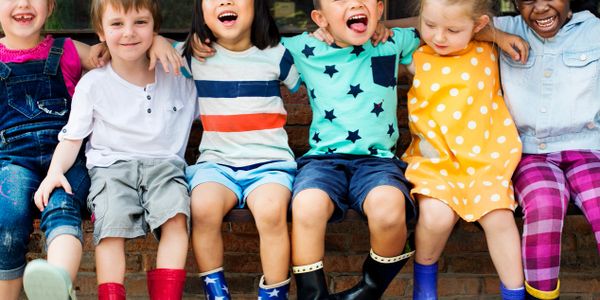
{"x":478,"y":7}
{"x":99,"y":6}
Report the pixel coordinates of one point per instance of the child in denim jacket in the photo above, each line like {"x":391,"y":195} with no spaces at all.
{"x":554,"y":100}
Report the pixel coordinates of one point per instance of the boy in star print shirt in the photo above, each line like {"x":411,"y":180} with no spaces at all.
{"x":351,"y":162}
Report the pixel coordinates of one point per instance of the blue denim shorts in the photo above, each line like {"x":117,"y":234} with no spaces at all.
{"x":17,"y":210}
{"x":242,"y":181}
{"x":348,"y":179}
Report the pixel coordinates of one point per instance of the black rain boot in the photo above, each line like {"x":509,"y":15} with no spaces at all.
{"x":311,"y":285}
{"x":377,"y":276}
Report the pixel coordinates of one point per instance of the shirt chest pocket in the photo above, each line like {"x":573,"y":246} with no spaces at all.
{"x":384,"y":70}
{"x":515,"y":71}
{"x":582,"y":65}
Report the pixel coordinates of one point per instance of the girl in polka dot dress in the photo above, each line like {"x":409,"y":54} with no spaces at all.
{"x":464,"y":147}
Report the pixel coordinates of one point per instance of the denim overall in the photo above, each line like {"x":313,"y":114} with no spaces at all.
{"x":34,"y":106}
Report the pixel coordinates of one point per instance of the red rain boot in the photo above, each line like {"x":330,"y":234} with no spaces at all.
{"x":111,"y":291}
{"x":166,"y":284}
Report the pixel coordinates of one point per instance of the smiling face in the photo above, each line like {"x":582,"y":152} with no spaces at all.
{"x":128,"y":35}
{"x":350,"y":22}
{"x":545,"y":17}
{"x":230,"y":21}
{"x":24,"y":19}
{"x":449,"y":28}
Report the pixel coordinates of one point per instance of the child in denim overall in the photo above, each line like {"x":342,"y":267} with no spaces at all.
{"x":37,"y":76}
{"x":37,"y":79}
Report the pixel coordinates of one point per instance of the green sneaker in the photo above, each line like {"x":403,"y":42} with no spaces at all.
{"x":43,"y":281}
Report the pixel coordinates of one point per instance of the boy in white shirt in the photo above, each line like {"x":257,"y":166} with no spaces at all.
{"x":138,"y":122}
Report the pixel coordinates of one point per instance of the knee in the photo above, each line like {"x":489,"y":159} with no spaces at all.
{"x":272,"y":216}
{"x":178,"y":223}
{"x":436,"y":221}
{"x":204,"y":216}
{"x":385,"y":209}
{"x":311,"y":208}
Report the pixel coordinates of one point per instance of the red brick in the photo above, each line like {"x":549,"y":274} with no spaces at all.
{"x":458,"y":285}
{"x":470,"y":263}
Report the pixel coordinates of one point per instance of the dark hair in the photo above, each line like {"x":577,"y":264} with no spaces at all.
{"x":317,"y":4}
{"x":263,"y":34}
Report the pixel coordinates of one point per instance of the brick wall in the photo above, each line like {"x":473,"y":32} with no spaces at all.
{"x":466,"y":269}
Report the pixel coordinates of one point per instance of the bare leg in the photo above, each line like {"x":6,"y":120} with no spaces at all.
{"x":504,"y":244}
{"x":172,"y":249}
{"x":311,"y":209}
{"x":385,"y":210}
{"x":269,"y":204}
{"x":10,"y":289}
{"x":110,"y":260}
{"x":436,"y":221}
{"x":210,"y":203}
{"x":65,"y":252}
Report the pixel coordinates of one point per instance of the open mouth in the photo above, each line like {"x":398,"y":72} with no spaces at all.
{"x":358,"y":23}
{"x":227,"y":17}
{"x":546,"y":23}
{"x":23,"y":17}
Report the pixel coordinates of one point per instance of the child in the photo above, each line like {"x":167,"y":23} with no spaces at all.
{"x":138,"y":122}
{"x":464,"y":144}
{"x":38,"y":77}
{"x":244,"y":153}
{"x":353,"y":135}
{"x":553,"y":98}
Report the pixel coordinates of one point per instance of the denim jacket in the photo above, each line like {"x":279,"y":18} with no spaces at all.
{"x":554,"y":97}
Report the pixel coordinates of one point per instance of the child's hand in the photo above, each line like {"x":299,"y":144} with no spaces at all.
{"x":99,"y":55}
{"x":163,"y":51}
{"x":52,"y":181}
{"x":381,"y":34}
{"x":514,"y":46}
{"x":323,"y":35}
{"x":202,"y":51}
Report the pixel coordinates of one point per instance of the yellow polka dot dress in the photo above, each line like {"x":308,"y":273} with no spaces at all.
{"x":465,"y":145}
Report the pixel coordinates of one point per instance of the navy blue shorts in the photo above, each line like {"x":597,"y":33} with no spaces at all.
{"x":347,"y":179}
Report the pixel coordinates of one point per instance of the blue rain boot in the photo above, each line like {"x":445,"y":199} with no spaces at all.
{"x":277,"y":291}
{"x":508,"y":294}
{"x":425,"y":277}
{"x":214,"y":285}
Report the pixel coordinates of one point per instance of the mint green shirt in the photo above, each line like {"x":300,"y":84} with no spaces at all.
{"x":352,"y":92}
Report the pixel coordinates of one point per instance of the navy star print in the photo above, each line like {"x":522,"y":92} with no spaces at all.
{"x":312,"y":94}
{"x":331,"y":151}
{"x":357,"y":50}
{"x":391,"y":130}
{"x":329,"y":115}
{"x":416,"y":33}
{"x":308,"y":51}
{"x":330,"y":70}
{"x":372,"y":150}
{"x":377,"y":108}
{"x":353,"y":136}
{"x":391,"y":40}
{"x":316,"y":137}
{"x":355,"y":90}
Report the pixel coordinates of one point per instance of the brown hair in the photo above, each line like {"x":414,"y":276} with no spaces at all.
{"x":99,"y":6}
{"x":478,"y":7}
